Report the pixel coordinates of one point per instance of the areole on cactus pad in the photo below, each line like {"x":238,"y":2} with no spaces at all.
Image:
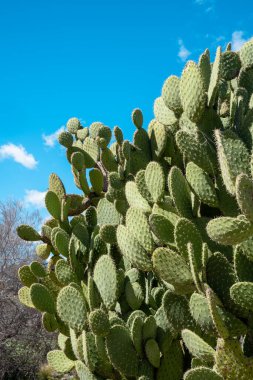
{"x":149,"y":272}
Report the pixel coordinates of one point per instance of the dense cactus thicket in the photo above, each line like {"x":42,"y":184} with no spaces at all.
{"x":150,"y":270}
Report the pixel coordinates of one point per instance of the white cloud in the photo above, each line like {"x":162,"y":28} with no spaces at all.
{"x":220,"y":38}
{"x":237,"y":40}
{"x":18,"y":154}
{"x":207,"y":4}
{"x":183,"y":53}
{"x":50,"y":140}
{"x":35,"y":198}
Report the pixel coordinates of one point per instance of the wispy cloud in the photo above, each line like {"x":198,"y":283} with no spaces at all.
{"x":183,"y":53}
{"x":220,"y":38}
{"x":237,"y":40}
{"x":19,"y":154}
{"x":207,"y":4}
{"x":35,"y":198}
{"x":50,"y":140}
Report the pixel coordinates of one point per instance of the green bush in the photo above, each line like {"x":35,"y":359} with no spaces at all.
{"x":150,"y":271}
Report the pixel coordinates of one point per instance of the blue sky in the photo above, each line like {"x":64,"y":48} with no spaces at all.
{"x":96,"y":60}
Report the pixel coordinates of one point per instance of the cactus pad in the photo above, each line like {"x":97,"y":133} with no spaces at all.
{"x":71,"y":307}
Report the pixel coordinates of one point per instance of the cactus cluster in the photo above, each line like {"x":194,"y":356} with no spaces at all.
{"x":149,"y":270}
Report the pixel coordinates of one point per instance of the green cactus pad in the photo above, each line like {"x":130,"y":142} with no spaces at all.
{"x":105,"y":278}
{"x":121,"y":351}
{"x":153,"y":353}
{"x":134,"y":295}
{"x":137,"y":117}
{"x":171,"y":367}
{"x":246,"y":54}
{"x":197,"y":150}
{"x":243,"y":265}
{"x":132,"y":250}
{"x":180,"y":192}
{"x":103,"y":365}
{"x":49,"y":322}
{"x":82,"y":133}
{"x":186,"y":232}
{"x":133,"y":315}
{"x":162,"y":228}
{"x":200,"y":312}
{"x":162,"y":113}
{"x":108,"y":159}
{"x":94,"y":129}
{"x":233,"y":158}
{"x":65,"y":139}
{"x":205,"y":68}
{"x":83,"y":372}
{"x":108,"y":233}
{"x":65,"y":275}
{"x":56,"y":185}
{"x":28,"y":233}
{"x":38,"y":269}
{"x":89,"y":350}
{"x":135,"y":217}
{"x":97,"y":180}
{"x":149,"y":328}
{"x":171,"y":94}
{"x":106,"y":213}
{"x":26,"y":276}
{"x":158,"y":137}
{"x":201,"y":373}
{"x":242,"y":294}
{"x":43,"y":251}
{"x":136,"y":334}
{"x":91,"y":148}
{"x":77,"y":160}
{"x":155,"y":181}
{"x":213,"y":301}
{"x":59,"y":361}
{"x":93,"y":295}
{"x":53,"y":204}
{"x":214,"y":79}
{"x":105,"y":133}
{"x":118,"y":135}
{"x":142,"y":186}
{"x":99,"y":322}
{"x":221,"y":284}
{"x":90,"y":218}
{"x":25,"y":297}
{"x":134,"y":198}
{"x":73,"y":125}
{"x":177,"y":310}
{"x":197,"y":346}
{"x":201,"y":184}
{"x":61,"y":241}
{"x":244,"y":195}
{"x":42,"y":298}
{"x":172,"y":268}
{"x":230,"y":65}
{"x":192,"y":91}
{"x":229,"y":231}
{"x":71,"y":307}
{"x":230,"y":362}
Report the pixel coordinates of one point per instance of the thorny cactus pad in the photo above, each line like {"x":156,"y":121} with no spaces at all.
{"x":149,"y":271}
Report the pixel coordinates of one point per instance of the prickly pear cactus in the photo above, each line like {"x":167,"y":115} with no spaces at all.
{"x":148,"y":274}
